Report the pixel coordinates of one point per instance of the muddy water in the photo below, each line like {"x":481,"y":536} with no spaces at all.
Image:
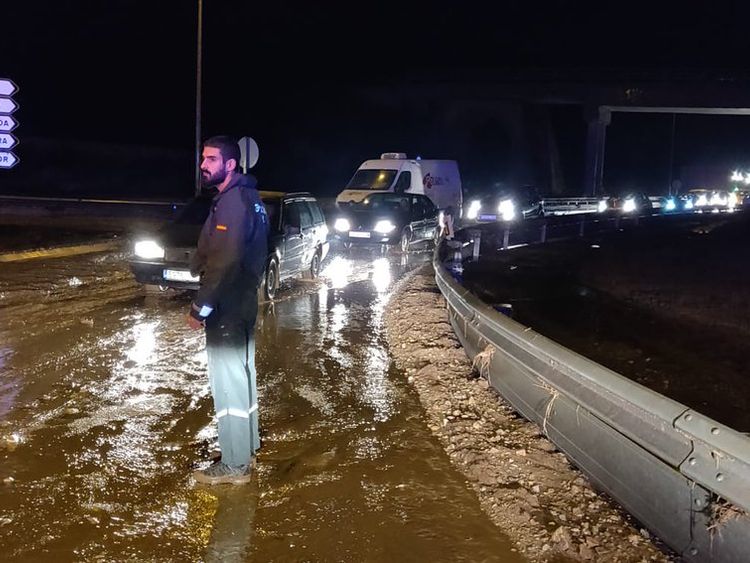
{"x":105,"y":412}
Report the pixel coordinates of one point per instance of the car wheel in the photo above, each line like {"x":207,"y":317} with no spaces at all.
{"x":405,"y":240}
{"x":271,"y":279}
{"x":314,"y":270}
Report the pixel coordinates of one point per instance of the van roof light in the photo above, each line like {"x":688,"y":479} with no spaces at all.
{"x":393,"y":156}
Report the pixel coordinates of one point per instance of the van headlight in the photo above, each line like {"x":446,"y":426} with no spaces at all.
{"x":473,"y":210}
{"x":148,"y":249}
{"x":342,"y":225}
{"x":507,"y":209}
{"x":384,"y":227}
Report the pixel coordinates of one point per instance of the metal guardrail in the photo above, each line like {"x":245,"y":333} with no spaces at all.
{"x":570,"y":205}
{"x":683,"y":475}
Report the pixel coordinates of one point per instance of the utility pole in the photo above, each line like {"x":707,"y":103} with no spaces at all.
{"x":671,"y":155}
{"x":198,"y":84}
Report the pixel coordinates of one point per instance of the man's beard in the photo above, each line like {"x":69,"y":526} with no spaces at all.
{"x":208,"y":181}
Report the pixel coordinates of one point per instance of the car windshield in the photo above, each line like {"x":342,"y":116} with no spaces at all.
{"x":383,"y":202}
{"x":372,"y":180}
{"x":195,"y":212}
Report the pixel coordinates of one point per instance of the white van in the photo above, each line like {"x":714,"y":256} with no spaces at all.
{"x":439,"y":180}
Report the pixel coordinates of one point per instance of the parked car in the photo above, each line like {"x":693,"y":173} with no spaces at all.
{"x":388,"y":218}
{"x":297,"y":244}
{"x":504,"y":205}
{"x":629,"y":202}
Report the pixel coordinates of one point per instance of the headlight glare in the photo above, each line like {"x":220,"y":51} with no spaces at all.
{"x":474,"y":208}
{"x":342,"y":225}
{"x":628,"y":205}
{"x":148,"y":249}
{"x":507,"y":209}
{"x":384,"y":227}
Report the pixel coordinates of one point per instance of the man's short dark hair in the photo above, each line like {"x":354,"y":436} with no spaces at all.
{"x":228,"y":147}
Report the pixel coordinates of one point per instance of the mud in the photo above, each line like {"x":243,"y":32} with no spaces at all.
{"x":528,"y":489}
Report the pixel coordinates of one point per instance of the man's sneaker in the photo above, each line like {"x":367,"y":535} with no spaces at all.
{"x":220,"y":472}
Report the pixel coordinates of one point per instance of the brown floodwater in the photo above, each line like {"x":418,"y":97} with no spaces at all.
{"x":105,"y":412}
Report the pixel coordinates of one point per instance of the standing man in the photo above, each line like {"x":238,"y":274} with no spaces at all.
{"x":231,"y":255}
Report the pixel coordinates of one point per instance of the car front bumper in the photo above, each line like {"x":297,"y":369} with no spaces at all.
{"x":152,"y":273}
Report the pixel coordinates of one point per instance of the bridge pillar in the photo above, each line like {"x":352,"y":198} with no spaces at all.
{"x":597,"y":119}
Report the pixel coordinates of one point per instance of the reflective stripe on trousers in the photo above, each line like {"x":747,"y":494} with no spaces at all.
{"x":231,"y":370}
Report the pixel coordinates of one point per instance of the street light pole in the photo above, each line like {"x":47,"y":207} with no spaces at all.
{"x":198,"y":84}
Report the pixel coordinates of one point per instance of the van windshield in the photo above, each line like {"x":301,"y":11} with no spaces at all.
{"x":372,"y":180}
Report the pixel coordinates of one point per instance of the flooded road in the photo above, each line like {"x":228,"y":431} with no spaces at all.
{"x":105,"y":411}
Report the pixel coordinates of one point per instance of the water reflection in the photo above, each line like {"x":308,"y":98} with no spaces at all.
{"x":381,"y":274}
{"x":338,"y":272}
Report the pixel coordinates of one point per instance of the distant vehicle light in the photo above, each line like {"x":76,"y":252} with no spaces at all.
{"x":702,"y":201}
{"x":602,"y":206}
{"x":342,"y":225}
{"x":148,"y":249}
{"x":718,"y":199}
{"x":507,"y":209}
{"x":628,"y":205}
{"x":384,"y":227}
{"x":737,"y":176}
{"x":474,"y":208}
{"x":670,"y":205}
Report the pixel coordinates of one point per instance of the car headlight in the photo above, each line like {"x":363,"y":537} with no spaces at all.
{"x":602,"y":206}
{"x":670,"y":205}
{"x":628,"y":206}
{"x":342,"y":225}
{"x":507,"y":209}
{"x":148,"y":249}
{"x":474,"y":208}
{"x":689,"y":204}
{"x":384,"y":227}
{"x":702,"y":201}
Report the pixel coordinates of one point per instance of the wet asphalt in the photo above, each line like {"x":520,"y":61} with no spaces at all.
{"x":105,"y":412}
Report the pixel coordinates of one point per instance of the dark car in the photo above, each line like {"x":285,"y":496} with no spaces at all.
{"x":388,"y":218}
{"x":298,"y":243}
{"x":504,"y":205}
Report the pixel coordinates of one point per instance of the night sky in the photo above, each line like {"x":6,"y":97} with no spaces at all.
{"x":107,"y":88}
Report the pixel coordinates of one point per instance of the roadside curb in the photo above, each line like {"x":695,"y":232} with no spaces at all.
{"x":58,"y":252}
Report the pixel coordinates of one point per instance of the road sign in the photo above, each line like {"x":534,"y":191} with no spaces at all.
{"x":7,"y":87}
{"x":7,"y":123}
{"x":8,"y":159}
{"x":248,"y":153}
{"x":7,"y":141}
{"x":7,"y":105}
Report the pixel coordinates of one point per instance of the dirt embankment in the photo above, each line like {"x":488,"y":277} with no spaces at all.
{"x":525,"y":485}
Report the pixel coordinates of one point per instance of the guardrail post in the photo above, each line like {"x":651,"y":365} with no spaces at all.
{"x":543,"y":235}
{"x":581,"y":228}
{"x":506,"y":237}
{"x":476,"y":237}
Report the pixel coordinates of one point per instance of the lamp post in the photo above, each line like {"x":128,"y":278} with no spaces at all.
{"x":198,"y":83}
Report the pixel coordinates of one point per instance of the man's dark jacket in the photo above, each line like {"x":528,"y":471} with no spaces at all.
{"x":232,"y":252}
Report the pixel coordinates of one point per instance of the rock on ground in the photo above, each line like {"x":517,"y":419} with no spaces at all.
{"x":528,"y":488}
